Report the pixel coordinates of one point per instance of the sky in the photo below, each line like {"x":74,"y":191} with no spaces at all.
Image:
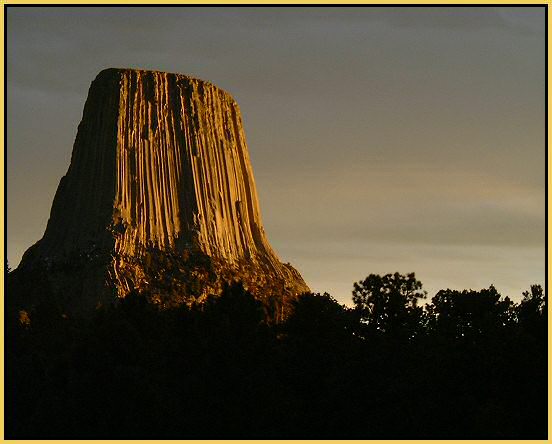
{"x":382,"y":139}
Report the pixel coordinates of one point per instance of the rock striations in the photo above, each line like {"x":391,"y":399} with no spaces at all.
{"x":159,"y":198}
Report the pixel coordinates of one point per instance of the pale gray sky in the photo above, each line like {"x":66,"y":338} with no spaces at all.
{"x":382,"y":139}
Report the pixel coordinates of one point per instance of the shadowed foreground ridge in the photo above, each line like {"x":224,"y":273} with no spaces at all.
{"x":159,"y":198}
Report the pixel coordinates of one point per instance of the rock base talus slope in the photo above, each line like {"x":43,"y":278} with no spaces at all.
{"x":159,"y":198}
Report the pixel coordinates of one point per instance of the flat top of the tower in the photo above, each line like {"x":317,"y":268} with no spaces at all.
{"x":108,"y":72}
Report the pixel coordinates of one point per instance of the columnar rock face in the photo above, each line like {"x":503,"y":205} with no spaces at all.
{"x":159,"y":197}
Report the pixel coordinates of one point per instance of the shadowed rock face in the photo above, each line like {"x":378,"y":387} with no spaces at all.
{"x":159,"y":196}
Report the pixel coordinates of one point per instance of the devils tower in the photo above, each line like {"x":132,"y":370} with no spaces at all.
{"x":159,"y":198}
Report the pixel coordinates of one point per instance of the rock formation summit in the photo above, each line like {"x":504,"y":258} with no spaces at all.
{"x":159,"y":198}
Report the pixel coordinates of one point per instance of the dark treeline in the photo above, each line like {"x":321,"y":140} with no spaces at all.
{"x":467,"y":364}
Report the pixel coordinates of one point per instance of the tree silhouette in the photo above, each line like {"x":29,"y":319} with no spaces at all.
{"x":463,"y":314}
{"x":470,"y":364}
{"x":532,"y":311}
{"x":389,"y":304}
{"x":319,"y":315}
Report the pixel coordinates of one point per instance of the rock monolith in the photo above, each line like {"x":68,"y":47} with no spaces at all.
{"x":159,"y":199}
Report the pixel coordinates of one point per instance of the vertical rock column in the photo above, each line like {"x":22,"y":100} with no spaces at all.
{"x":161,"y":171}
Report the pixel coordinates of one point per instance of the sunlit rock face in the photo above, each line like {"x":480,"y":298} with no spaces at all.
{"x":159,"y":197}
